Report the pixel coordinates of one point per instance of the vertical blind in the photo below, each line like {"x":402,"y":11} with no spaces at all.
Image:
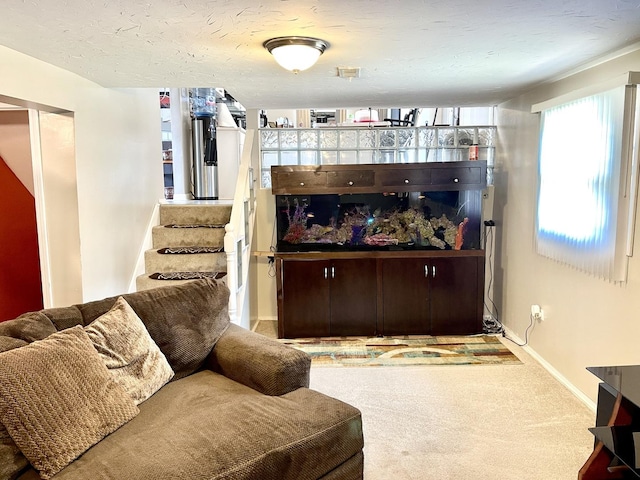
{"x":581,"y":184}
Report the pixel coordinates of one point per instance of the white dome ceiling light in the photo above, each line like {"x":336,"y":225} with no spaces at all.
{"x":296,"y":53}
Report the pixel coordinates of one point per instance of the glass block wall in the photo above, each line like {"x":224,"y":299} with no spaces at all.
{"x":355,"y":145}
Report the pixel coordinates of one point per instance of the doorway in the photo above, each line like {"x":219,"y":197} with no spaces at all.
{"x":40,"y":164}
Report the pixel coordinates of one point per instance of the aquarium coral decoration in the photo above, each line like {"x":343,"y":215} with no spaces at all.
{"x":359,"y":227}
{"x":411,"y":226}
{"x":380,"y":240}
{"x":297,"y":223}
{"x":460,"y":233}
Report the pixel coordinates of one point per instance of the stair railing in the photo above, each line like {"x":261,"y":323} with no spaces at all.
{"x":239,"y":234}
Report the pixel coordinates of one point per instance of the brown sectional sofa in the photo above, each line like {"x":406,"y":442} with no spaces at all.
{"x":238,"y":406}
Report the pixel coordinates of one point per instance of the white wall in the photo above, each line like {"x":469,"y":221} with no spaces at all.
{"x":265,"y":281}
{"x":118,"y":162}
{"x":589,"y":322}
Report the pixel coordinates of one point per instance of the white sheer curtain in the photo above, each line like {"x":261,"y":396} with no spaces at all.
{"x":581,"y":169}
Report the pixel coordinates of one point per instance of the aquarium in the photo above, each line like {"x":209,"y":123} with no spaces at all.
{"x":436,"y":220}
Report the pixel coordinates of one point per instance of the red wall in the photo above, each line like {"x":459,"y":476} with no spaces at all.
{"x":20,"y":281}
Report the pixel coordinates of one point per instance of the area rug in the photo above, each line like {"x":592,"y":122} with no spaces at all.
{"x":405,"y":351}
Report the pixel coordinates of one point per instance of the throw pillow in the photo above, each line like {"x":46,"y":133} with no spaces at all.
{"x":57,"y":399}
{"x":132,"y":357}
{"x":15,"y":334}
{"x":184,"y":320}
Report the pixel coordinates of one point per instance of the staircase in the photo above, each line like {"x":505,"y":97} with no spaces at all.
{"x":188,"y":244}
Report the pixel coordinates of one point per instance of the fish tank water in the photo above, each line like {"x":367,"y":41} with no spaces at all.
{"x":435,"y":220}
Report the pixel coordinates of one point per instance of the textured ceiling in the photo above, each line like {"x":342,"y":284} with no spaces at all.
{"x":412,"y":52}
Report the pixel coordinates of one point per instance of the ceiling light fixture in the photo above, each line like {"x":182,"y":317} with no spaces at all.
{"x":296,"y":53}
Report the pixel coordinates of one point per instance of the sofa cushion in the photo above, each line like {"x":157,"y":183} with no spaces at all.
{"x":14,"y":334}
{"x":12,"y":461}
{"x":26,"y":329}
{"x":209,"y":427}
{"x":64,"y":317}
{"x":184,"y":320}
{"x":132,"y":357}
{"x":57,"y":399}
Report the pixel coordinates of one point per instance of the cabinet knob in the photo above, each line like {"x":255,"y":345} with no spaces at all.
{"x":455,"y":180}
{"x":302,"y":184}
{"x":350,"y":183}
{"x":406,"y":180}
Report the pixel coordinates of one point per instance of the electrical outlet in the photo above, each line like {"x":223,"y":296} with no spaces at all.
{"x":537,"y":313}
{"x":487,"y":318}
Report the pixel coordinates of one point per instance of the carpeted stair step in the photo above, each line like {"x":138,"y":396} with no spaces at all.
{"x":207,"y":214}
{"x":146,"y":282}
{"x":164,"y":236}
{"x":156,"y":261}
{"x":187,"y":244}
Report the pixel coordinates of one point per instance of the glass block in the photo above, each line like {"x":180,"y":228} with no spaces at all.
{"x":348,"y":157}
{"x":265,"y":179}
{"x":486,"y":136}
{"x":446,"y":137}
{"x":491,"y":156}
{"x":406,"y":138}
{"x":269,"y":138}
{"x":434,"y":155}
{"x":407,"y":156}
{"x":387,"y":139}
{"x":387,"y":156}
{"x":288,"y":138}
{"x":348,"y":139}
{"x":328,"y":139}
{"x":269,"y":159}
{"x":426,"y":137}
{"x":329,"y":157}
{"x":367,"y":138}
{"x":465,"y":136}
{"x":490,"y":176}
{"x":308,"y":157}
{"x":367,"y":156}
{"x":308,"y":139}
{"x":288,"y":158}
{"x":422,"y":154}
{"x":454,"y":155}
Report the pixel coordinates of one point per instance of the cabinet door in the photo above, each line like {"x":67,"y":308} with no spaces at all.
{"x":456,"y":298}
{"x":304,"y":299}
{"x":405,"y":296}
{"x":353,"y":297}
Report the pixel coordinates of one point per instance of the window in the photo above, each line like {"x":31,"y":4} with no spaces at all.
{"x":585,"y":205}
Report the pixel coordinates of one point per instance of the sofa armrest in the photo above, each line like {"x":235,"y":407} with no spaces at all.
{"x":259,"y":362}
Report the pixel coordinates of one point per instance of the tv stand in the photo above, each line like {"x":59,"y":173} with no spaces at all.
{"x":616,"y":454}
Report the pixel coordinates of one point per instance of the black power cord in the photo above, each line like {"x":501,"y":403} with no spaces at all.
{"x":492,"y":325}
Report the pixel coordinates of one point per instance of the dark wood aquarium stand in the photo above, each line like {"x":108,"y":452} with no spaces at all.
{"x":616,"y":453}
{"x":386,"y":291}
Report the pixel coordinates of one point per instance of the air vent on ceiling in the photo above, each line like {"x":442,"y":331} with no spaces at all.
{"x":349,"y":72}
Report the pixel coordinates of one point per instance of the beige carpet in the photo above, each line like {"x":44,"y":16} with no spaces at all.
{"x":503,"y":422}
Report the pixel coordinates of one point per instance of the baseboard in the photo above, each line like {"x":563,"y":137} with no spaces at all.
{"x":555,"y":373}
{"x":257,"y":321}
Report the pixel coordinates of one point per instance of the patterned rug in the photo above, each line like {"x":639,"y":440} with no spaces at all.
{"x":186,"y":275}
{"x":194,"y":225}
{"x":188,"y":250}
{"x":405,"y":351}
